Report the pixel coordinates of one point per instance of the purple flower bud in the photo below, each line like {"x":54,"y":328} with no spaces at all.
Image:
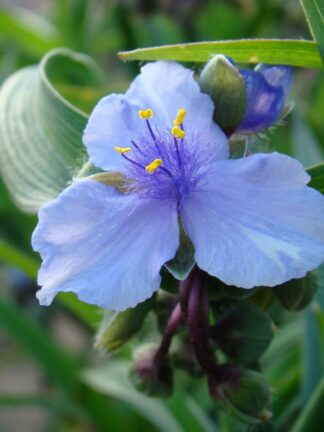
{"x":266,"y":91}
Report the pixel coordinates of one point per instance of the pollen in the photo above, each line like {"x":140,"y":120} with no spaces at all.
{"x":122,"y":150}
{"x":153,"y":166}
{"x":145,"y":114}
{"x":180,"y":117}
{"x":177,"y":132}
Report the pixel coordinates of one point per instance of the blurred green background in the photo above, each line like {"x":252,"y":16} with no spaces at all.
{"x":44,"y":351}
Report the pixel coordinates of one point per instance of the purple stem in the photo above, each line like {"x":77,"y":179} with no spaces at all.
{"x":171,"y":327}
{"x":199,"y":330}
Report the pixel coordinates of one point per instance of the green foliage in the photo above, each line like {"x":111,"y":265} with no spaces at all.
{"x":43,"y":110}
{"x":117,"y":328}
{"x":296,"y":294}
{"x":288,"y":52}
{"x":317,"y":177}
{"x":36,"y":120}
{"x":244,"y":333}
{"x":314,"y":11}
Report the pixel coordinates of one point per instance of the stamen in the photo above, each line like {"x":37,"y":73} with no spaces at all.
{"x":153,"y":166}
{"x":122,"y":150}
{"x":177,"y":132}
{"x":145,"y":114}
{"x":136,"y":146}
{"x":132,"y":161}
{"x":180,"y":117}
{"x":150,"y":130}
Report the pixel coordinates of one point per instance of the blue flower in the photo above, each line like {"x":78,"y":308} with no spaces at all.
{"x":252,"y":221}
{"x":266,"y":92}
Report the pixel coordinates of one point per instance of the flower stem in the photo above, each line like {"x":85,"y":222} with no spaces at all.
{"x":171,"y":327}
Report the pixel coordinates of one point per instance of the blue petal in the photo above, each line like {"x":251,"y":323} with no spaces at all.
{"x":167,"y":86}
{"x":113,"y":122}
{"x":266,"y":91}
{"x":255,"y":222}
{"x":277,"y":76}
{"x":106,"y":247}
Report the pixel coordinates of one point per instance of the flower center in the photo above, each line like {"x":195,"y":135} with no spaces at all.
{"x":162,"y":164}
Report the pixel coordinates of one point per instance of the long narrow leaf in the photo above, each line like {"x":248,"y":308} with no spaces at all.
{"x":271,"y":51}
{"x":314,"y":11}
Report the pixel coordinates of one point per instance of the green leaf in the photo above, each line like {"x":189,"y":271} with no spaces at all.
{"x":313,"y":367}
{"x":314,"y":11}
{"x":12,"y":256}
{"x":113,"y":380}
{"x":305,"y":146}
{"x":116,"y":329}
{"x":41,"y":132}
{"x":296,"y":294}
{"x":31,"y":32}
{"x":31,"y":336}
{"x":311,"y":418}
{"x":271,"y":51}
{"x":317,"y":177}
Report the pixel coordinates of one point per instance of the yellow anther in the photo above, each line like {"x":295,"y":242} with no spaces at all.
{"x":180,"y":117}
{"x":122,"y":150}
{"x":153,"y":166}
{"x":177,"y":132}
{"x":145,"y":114}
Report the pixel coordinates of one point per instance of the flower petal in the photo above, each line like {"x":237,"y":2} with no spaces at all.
{"x":106,"y":247}
{"x":266,"y":89}
{"x":277,"y":76}
{"x":255,"y":222}
{"x":113,"y":123}
{"x":166,"y":87}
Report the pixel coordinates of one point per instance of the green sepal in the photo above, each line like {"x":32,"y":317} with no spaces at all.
{"x":182,"y":264}
{"x":296,"y":294}
{"x":243,"y":333}
{"x":238,"y":146}
{"x":246,"y":398}
{"x":115,"y":330}
{"x":219,"y":291}
{"x":222,"y":81}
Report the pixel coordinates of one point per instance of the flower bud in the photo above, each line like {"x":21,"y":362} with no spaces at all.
{"x":183,"y":358}
{"x":243,"y":333}
{"x":116,"y":330}
{"x":151,"y":374}
{"x":222,"y":81}
{"x":297,"y":293}
{"x":246,"y":397}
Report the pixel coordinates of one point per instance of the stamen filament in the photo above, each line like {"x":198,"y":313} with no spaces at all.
{"x":136,"y":146}
{"x":178,"y":151}
{"x":132,"y":161}
{"x":150,"y":130}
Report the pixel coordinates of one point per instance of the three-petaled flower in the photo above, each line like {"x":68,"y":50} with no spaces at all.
{"x":252,"y":221}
